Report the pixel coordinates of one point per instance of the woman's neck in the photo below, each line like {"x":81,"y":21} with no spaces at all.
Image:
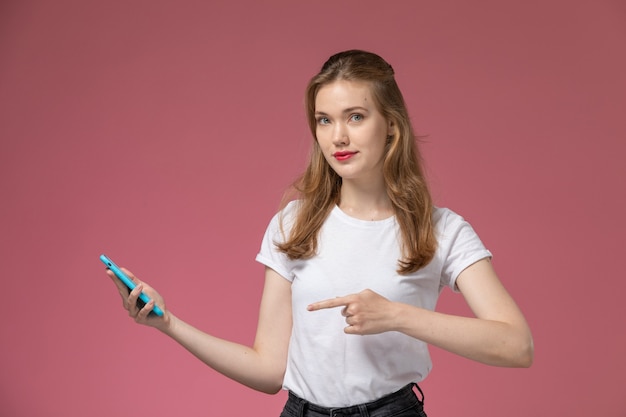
{"x":365,"y":202}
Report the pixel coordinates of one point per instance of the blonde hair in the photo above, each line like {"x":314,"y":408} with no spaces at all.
{"x":318,"y":188}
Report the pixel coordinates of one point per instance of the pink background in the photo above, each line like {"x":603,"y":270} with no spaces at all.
{"x":164,"y":133}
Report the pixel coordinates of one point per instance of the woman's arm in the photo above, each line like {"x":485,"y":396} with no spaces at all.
{"x":498,"y":335}
{"x":261,"y":366}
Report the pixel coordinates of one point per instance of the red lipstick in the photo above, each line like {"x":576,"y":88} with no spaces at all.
{"x":343,"y":155}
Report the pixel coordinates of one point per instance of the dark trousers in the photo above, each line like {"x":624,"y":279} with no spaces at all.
{"x":402,"y":403}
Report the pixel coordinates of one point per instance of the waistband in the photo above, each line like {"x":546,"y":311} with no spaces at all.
{"x":402,"y":399}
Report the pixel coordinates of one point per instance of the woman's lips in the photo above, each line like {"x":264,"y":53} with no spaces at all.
{"x":343,"y":155}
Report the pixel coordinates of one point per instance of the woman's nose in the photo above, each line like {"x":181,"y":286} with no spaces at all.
{"x":340,"y":136}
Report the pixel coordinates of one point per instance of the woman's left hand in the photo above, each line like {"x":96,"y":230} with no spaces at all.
{"x":366,"y":312}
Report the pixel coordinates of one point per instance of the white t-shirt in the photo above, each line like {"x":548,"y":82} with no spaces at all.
{"x":328,"y":367}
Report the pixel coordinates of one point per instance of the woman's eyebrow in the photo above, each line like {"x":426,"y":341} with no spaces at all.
{"x":355,"y":108}
{"x":348,"y":110}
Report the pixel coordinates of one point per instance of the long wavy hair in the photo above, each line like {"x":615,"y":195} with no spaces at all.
{"x":318,"y":188}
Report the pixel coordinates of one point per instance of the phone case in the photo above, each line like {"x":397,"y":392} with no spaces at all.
{"x":129,"y":283}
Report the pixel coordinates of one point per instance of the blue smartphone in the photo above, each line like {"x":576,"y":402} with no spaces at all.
{"x":143,"y":298}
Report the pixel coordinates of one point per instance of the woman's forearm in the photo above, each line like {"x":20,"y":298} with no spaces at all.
{"x":487,"y":341}
{"x":262,"y":366}
{"x":244,"y":364}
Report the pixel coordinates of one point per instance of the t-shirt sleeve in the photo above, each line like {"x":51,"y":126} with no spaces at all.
{"x":460,"y":247}
{"x":269,"y":255}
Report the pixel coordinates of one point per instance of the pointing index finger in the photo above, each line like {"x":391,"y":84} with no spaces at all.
{"x":330,"y":303}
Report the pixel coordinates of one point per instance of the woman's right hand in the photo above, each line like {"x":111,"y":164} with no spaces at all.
{"x":261,"y":367}
{"x":129,"y":301}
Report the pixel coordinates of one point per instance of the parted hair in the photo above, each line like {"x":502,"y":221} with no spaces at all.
{"x":318,"y":188}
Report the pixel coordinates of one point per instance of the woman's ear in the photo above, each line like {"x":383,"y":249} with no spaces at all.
{"x":390,"y":128}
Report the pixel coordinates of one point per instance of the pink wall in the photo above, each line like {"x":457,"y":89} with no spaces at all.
{"x":163,"y":134}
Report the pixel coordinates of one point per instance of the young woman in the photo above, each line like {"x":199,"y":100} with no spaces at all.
{"x":354,"y":267}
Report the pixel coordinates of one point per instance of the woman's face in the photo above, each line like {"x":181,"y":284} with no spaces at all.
{"x":351,"y":131}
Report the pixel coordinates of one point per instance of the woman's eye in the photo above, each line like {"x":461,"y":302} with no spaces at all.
{"x":323,"y":120}
{"x":356,"y":117}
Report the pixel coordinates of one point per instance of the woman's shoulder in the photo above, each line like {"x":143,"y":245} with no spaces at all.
{"x":444,"y":217}
{"x":286,"y":214}
{"x":290,"y":209}
{"x":441,"y":214}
